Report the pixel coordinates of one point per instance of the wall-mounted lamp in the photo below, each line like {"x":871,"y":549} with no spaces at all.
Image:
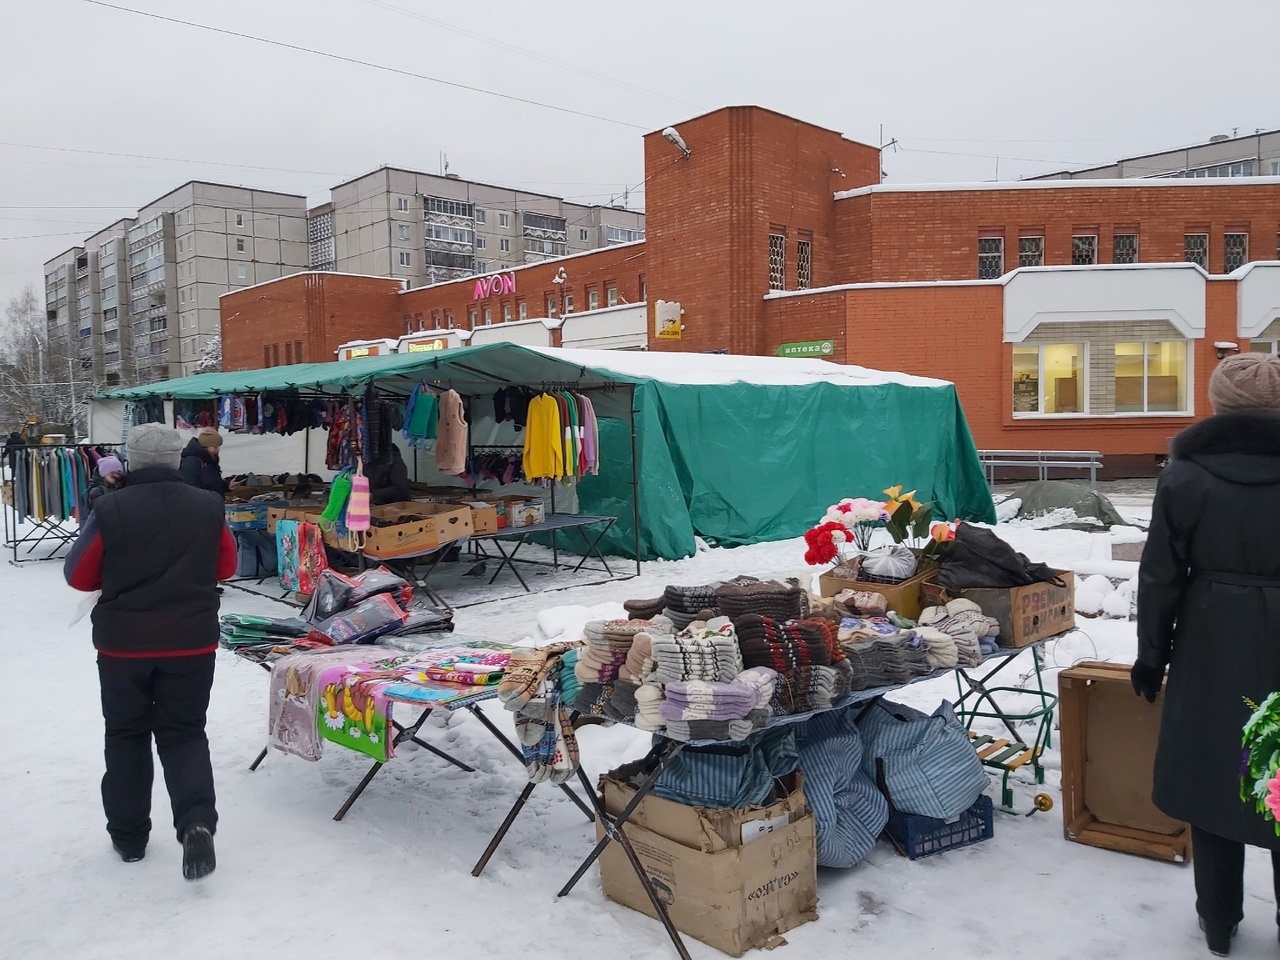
{"x":1225,"y":347}
{"x":672,"y":136}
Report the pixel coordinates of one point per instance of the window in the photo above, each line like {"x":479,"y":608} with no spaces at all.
{"x":275,"y":354}
{"x":297,"y":351}
{"x":1049,"y":378}
{"x":506,"y":312}
{"x":182,"y":296}
{"x":239,"y":219}
{"x":1084,"y":250}
{"x":288,"y":352}
{"x":504,"y":245}
{"x":1196,"y":249}
{"x":406,"y":258}
{"x":1238,"y":168}
{"x":568,"y":303}
{"x":419,"y":322}
{"x":404,"y":232}
{"x":1124,"y":248}
{"x":402,"y":204}
{"x":448,"y":319}
{"x":1263,"y":346}
{"x":179,"y":244}
{"x":177,"y":219}
{"x":551,"y":306}
{"x":1151,"y":377}
{"x":611,"y":296}
{"x":1031,"y":251}
{"x":242,"y":272}
{"x":522,"y":311}
{"x":439,"y":231}
{"x":239,"y":246}
{"x":622,"y":235}
{"x":644,"y":288}
{"x":435,"y":321}
{"x":777,"y":261}
{"x":472,"y":318}
{"x":453,"y":208}
{"x":584,"y":235}
{"x":482,"y":266}
{"x":804,"y":264}
{"x":480,"y":215}
{"x":593,"y":299}
{"x":1235,"y":251}
{"x":990,"y":258}
{"x":488,"y":316}
{"x":1275,"y":168}
{"x":266,"y":355}
{"x":504,"y":219}
{"x":479,"y":243}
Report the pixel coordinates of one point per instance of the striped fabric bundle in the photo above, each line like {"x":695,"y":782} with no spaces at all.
{"x":359,"y":517}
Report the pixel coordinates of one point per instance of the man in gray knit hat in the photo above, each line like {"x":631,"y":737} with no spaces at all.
{"x":156,"y":549}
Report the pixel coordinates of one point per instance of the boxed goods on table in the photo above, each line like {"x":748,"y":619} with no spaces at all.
{"x":302,"y":512}
{"x":250,"y":516}
{"x":905,"y":598}
{"x":410,"y":528}
{"x":1108,"y":745}
{"x":1032,"y":613}
{"x":734,"y":879}
{"x":518,"y":511}
{"x":484,"y":516}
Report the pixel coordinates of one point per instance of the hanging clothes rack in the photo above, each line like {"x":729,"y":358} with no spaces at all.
{"x":45,"y":492}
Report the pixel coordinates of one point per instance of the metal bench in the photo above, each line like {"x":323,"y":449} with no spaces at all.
{"x":1042,"y":461}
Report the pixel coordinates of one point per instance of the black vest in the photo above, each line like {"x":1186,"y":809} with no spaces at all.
{"x":160,"y":541}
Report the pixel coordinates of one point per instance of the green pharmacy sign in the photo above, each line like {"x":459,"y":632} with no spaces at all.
{"x":808,"y":348}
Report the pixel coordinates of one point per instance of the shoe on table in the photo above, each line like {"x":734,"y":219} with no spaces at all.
{"x":1218,"y":940}
{"x":130,"y":853}
{"x":198,"y":860}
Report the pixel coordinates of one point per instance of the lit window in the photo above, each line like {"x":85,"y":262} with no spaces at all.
{"x":239,"y":246}
{"x":239,"y":219}
{"x":1235,"y":251}
{"x":504,"y":245}
{"x":1196,"y":249}
{"x":1049,"y":378}
{"x":777,"y":262}
{"x":1124,"y":248}
{"x":402,"y":204}
{"x":404,"y":231}
{"x":1084,"y":250}
{"x":1151,"y":377}
{"x":804,"y":265}
{"x":584,"y":235}
{"x":504,"y":219}
{"x":406,"y":258}
{"x":1031,"y":251}
{"x":990,"y":258}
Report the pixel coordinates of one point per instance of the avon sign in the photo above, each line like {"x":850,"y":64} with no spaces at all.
{"x":498,"y":285}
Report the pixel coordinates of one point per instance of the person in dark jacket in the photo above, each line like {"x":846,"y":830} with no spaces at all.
{"x":389,"y":483}
{"x":108,"y":476}
{"x":156,"y":549}
{"x":12,"y":444}
{"x":1209,"y":611}
{"x":201,"y":466}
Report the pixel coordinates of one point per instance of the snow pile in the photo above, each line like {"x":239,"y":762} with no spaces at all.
{"x":1091,"y":593}
{"x":1007,"y":509}
{"x":568,"y":623}
{"x":1047,"y":521}
{"x":1122,"y":603}
{"x":1097,"y":595}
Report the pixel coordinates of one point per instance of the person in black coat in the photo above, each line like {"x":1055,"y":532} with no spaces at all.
{"x":1209,"y":611}
{"x":389,"y":483}
{"x":12,"y":444}
{"x":156,"y":549}
{"x":200,"y":462}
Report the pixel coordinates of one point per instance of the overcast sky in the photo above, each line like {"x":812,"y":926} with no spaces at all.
{"x":1040,"y":85}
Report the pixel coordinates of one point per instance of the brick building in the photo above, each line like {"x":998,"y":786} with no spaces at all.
{"x":1071,"y":314}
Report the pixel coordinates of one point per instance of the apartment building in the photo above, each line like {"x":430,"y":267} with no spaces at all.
{"x":1254,"y":155}
{"x":425,"y":228}
{"x":139,"y":299}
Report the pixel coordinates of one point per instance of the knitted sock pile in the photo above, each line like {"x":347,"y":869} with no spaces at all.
{"x":782,"y":647}
{"x":987,"y":629}
{"x":781,"y":601}
{"x":640,"y":662}
{"x":684,"y":605}
{"x":878,"y":663}
{"x":622,"y":705}
{"x":593,"y":699}
{"x":962,"y":626}
{"x":701,"y":700}
{"x":649,"y":708}
{"x":943,"y":654}
{"x":718,"y":729}
{"x":527,"y":671}
{"x":709,"y":652}
{"x":608,"y":643}
{"x":644,"y":609}
{"x":862,"y":604}
{"x":862,"y":629}
{"x":546,"y":735}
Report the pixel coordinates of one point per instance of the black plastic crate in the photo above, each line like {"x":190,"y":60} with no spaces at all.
{"x":917,"y":837}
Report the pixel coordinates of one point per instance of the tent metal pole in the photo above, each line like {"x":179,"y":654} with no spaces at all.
{"x":635,"y":479}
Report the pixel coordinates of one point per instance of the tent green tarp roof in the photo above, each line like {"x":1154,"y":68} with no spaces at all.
{"x":733,"y":449}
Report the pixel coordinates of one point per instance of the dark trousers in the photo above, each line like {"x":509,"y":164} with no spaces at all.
{"x":1219,"y":870}
{"x":164,"y":697}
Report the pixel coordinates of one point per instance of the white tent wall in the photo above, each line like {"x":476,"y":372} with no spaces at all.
{"x":106,"y":421}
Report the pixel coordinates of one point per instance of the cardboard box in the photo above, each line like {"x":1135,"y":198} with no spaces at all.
{"x":304,"y":513}
{"x":1032,"y":613}
{"x":435,"y":524}
{"x":484,"y":516}
{"x":1108,"y":740}
{"x":906,"y":598}
{"x":518,"y":511}
{"x":730,"y":894}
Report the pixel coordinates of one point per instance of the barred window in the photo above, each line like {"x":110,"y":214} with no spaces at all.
{"x":1031,"y":251}
{"x":777,"y":262}
{"x":1084,"y":250}
{"x":804,"y":264}
{"x":1235,"y":251}
{"x":990,"y":258}
{"x":1124,"y":248}
{"x":1196,"y":249}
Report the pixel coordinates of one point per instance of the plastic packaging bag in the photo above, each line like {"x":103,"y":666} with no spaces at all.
{"x":363,"y":623}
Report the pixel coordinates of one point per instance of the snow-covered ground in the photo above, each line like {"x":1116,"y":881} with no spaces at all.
{"x":393,"y":879}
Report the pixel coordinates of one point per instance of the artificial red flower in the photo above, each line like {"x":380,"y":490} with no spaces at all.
{"x":822,"y":543}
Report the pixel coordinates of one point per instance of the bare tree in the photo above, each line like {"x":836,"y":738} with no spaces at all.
{"x":41,"y":380}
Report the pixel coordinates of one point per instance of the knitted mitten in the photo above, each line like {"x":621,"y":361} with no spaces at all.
{"x":339,"y":493}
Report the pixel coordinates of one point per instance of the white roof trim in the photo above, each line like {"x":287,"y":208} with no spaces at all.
{"x":1059,"y":185}
{"x":317,"y":273}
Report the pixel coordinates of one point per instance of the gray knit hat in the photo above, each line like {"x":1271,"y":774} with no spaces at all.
{"x":1247,"y":383}
{"x":153,"y":445}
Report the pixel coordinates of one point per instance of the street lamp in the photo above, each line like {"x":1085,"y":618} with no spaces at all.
{"x":560,"y":279}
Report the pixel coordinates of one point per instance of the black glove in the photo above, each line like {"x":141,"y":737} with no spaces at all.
{"x":1147,"y":680}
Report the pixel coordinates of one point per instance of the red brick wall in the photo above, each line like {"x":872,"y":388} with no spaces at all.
{"x":933,"y":234}
{"x":320,"y":310}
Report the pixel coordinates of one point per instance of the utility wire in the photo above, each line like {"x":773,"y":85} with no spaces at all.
{"x":143,"y":156}
{"x":364,"y":63}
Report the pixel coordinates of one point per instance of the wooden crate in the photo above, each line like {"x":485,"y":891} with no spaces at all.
{"x":1108,"y":739}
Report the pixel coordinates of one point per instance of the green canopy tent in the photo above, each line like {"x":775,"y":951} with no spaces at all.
{"x":734,"y":449}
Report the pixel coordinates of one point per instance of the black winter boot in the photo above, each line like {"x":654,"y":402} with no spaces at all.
{"x":1218,"y":941}
{"x":130,"y":854}
{"x":198,"y":860}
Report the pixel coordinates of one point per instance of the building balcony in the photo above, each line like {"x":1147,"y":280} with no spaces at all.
{"x":450,"y":246}
{"x":537,"y":233}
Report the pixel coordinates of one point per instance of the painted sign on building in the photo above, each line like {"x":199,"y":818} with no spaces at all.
{"x":423,"y":346}
{"x":498,"y":285}
{"x":808,"y":348}
{"x":667,"y":321}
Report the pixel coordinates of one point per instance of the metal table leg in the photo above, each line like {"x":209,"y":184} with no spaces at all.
{"x":508,"y":562}
{"x":593,"y":548}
